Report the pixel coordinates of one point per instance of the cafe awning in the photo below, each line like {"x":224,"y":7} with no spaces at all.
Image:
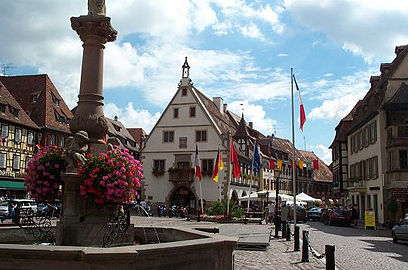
{"x":12,"y":185}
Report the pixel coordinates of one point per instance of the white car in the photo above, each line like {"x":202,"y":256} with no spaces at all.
{"x":4,"y":209}
{"x":400,"y":231}
{"x":25,"y":204}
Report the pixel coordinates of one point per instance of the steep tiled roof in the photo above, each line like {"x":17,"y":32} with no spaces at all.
{"x":223,"y":121}
{"x":323,"y":174}
{"x":118,"y":130}
{"x":138,"y":134}
{"x":7,"y":100}
{"x":284,"y":145}
{"x":242,"y":131}
{"x":44,"y":112}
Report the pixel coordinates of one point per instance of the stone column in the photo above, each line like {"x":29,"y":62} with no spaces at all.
{"x":94,"y":31}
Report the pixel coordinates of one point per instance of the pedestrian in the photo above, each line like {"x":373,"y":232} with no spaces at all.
{"x":271,"y":212}
{"x":11,"y":212}
{"x":354,"y":214}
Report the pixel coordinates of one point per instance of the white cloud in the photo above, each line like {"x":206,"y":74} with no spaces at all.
{"x":256,"y":114}
{"x":323,"y":152}
{"x":251,"y":31}
{"x":335,"y":109}
{"x":338,"y":96}
{"x":367,"y":28}
{"x":131,"y":117}
{"x":282,"y":55}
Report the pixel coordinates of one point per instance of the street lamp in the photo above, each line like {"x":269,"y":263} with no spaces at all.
{"x":277,"y":218}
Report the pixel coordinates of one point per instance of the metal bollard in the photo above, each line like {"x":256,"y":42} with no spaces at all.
{"x":284,"y":228}
{"x":277,"y":226}
{"x":305,"y":247}
{"x":297,"y":230}
{"x":330,"y":262}
{"x":287,"y":232}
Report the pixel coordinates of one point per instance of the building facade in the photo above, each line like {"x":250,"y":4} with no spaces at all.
{"x":376,"y":143}
{"x":42,"y":102}
{"x":17,"y":145}
{"x":168,"y":154}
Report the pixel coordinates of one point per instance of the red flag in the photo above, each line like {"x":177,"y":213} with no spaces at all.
{"x":197,"y":165}
{"x":234,"y":160}
{"x":315,"y":164}
{"x":302,"y":109}
{"x":272,"y":165}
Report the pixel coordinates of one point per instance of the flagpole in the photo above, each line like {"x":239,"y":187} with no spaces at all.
{"x":201,"y":198}
{"x":250,"y":177}
{"x":229,"y":173}
{"x":294,"y":154}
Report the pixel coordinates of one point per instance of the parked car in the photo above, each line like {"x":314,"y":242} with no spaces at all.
{"x":4,"y":208}
{"x":315,"y":213}
{"x":301,"y":214}
{"x":26,"y":204}
{"x":400,"y":231}
{"x":336,"y":217}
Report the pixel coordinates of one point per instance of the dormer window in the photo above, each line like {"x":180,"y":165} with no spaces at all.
{"x":57,"y":102}
{"x":184,"y":92}
{"x":13,"y":111}
{"x":61,"y":119}
{"x":34,"y":99}
{"x":2,"y":108}
{"x":117,"y":128}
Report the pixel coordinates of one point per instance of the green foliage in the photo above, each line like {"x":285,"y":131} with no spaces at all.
{"x":217,"y":208}
{"x":220,"y":208}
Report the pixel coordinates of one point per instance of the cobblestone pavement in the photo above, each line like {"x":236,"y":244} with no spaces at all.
{"x":356,"y":248}
{"x":279,"y":254}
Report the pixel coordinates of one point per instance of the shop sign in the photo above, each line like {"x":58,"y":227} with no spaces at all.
{"x":369,"y":218}
{"x":8,"y":174}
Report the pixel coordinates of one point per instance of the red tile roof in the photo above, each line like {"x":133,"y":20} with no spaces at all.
{"x":7,"y":99}
{"x":323,"y":174}
{"x":45,"y":110}
{"x":138,"y":135}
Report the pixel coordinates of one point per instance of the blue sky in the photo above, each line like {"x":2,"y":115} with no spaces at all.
{"x":239,"y":50}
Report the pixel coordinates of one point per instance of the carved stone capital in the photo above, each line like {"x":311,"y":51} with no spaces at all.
{"x":100,"y":26}
{"x":95,"y":125}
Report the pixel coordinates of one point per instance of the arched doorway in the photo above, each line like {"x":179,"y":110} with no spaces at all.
{"x":183,"y":197}
{"x":234,"y":196}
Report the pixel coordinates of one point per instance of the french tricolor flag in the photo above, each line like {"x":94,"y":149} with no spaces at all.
{"x":302,"y":109}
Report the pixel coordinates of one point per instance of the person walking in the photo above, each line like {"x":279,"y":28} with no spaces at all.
{"x":354,"y":215}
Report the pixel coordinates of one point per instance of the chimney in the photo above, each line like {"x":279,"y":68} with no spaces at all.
{"x":115,"y":118}
{"x":251,"y":124}
{"x":374,"y":80}
{"x":219,"y":102}
{"x":385,"y":68}
{"x":399,"y":49}
{"x":225,"y":107}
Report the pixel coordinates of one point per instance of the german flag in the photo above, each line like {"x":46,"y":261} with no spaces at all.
{"x":219,"y":165}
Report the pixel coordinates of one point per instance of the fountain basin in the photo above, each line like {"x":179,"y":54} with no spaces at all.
{"x":180,"y":248}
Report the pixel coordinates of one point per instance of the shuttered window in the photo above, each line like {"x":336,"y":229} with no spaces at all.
{"x":16,"y":162}
{"x":3,"y":159}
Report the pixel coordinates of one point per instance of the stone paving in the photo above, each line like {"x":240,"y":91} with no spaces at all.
{"x":356,"y":248}
{"x":278,"y":255}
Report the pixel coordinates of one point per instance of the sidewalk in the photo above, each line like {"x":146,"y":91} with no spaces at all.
{"x":279,"y":255}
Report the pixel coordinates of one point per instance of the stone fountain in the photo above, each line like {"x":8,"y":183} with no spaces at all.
{"x":82,"y":227}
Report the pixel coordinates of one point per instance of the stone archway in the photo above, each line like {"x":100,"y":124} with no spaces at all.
{"x":183,"y":196}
